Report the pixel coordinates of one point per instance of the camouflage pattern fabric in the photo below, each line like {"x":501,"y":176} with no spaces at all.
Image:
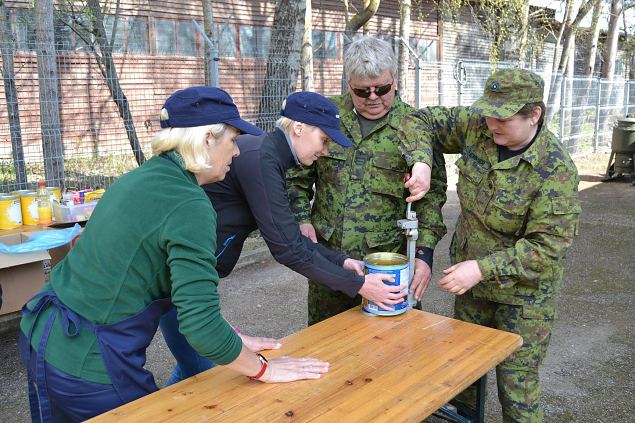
{"x":518,"y":218}
{"x":507,"y":91}
{"x":360,"y":194}
{"x":516,"y":377}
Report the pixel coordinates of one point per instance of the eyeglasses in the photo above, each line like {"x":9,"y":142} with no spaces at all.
{"x":366,"y":92}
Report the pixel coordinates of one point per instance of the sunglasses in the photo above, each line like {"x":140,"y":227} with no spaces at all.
{"x":366,"y":92}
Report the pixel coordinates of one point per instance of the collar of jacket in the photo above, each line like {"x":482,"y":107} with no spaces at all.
{"x":282,"y":151}
{"x":349,"y":121}
{"x":533,"y":155}
{"x":173,"y":158}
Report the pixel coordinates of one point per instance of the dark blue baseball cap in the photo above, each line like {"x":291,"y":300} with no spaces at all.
{"x":199,"y":106}
{"x":315,"y":109}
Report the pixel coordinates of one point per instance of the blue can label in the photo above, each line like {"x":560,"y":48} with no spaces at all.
{"x":401,"y":273}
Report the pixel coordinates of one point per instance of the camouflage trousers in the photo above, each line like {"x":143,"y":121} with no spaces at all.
{"x":516,"y":377}
{"x":324,"y":303}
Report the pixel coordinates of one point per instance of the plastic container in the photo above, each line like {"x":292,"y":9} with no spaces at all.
{"x":44,"y":211}
{"x":73,"y":212}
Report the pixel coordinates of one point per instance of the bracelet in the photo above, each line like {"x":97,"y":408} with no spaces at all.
{"x":263,"y":368}
{"x":237,"y":330}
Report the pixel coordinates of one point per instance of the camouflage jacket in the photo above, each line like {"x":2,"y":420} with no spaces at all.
{"x":518,"y":217}
{"x":359,"y":190}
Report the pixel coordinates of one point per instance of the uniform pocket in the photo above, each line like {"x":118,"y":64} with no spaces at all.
{"x":565,"y":205}
{"x":385,"y":241}
{"x":539,"y":312}
{"x":323,"y":228}
{"x":387,"y":175}
{"x":507,"y":215}
{"x":331,"y":167}
{"x":470,"y":171}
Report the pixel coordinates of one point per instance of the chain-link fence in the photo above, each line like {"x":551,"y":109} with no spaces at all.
{"x":94,"y":144}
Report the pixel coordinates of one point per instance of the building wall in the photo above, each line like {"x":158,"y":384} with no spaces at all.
{"x":151,"y":64}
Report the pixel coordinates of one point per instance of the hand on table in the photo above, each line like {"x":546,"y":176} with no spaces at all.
{"x":288,"y":369}
{"x":461,"y":277}
{"x":258,"y":343}
{"x":419,"y":182}
{"x":420,"y":279}
{"x":308,"y":231}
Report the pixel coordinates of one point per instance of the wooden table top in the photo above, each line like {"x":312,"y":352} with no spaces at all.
{"x":398,"y":368}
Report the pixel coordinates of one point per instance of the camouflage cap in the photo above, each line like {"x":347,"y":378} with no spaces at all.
{"x":507,"y":91}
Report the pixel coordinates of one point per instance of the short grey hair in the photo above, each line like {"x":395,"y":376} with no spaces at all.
{"x":369,"y":57}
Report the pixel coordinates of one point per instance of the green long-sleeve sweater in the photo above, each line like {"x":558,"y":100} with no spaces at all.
{"x":152,"y":236}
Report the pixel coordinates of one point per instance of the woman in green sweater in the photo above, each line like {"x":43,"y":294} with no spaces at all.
{"x":83,"y":337}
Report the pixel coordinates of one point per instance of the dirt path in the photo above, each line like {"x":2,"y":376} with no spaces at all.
{"x":588,"y":375}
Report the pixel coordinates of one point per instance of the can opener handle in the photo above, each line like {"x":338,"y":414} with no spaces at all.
{"x":409,"y":225}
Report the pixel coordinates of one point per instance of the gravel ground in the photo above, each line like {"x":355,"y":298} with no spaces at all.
{"x":588,"y":374}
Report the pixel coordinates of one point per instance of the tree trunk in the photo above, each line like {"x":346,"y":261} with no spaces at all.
{"x":405,"y":7}
{"x":365,"y":3}
{"x":11,"y":96}
{"x":307,"y":49}
{"x":284,"y":60}
{"x":612,"y":36}
{"x":109,"y":72}
{"x":208,"y":24}
{"x":571,"y":25}
{"x":353,"y":25}
{"x":524,"y":35}
{"x":595,"y":34}
{"x":570,"y":95}
{"x":579,"y":115}
{"x":52,"y":148}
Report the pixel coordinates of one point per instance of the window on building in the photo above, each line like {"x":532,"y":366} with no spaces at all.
{"x":175,"y":37}
{"x":64,"y":40}
{"x":165,"y":34}
{"x":137,"y":35}
{"x":186,"y":38}
{"x":426,"y":49}
{"x":226,"y":35}
{"x":82,"y":27}
{"x":131,"y":34}
{"x":254,"y":41}
{"x":118,"y":40}
{"x":325,"y":45}
{"x":24,"y":29}
{"x":65,"y":28}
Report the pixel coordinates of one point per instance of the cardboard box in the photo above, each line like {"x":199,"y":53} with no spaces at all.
{"x":21,"y":275}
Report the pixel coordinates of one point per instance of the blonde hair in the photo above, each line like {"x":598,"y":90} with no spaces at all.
{"x":190,"y":143}
{"x":285,"y":124}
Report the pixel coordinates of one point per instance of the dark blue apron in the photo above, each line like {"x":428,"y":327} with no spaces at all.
{"x":122,"y":345}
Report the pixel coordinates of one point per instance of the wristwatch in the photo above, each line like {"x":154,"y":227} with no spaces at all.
{"x":263,"y":368}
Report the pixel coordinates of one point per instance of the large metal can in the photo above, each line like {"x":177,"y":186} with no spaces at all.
{"x":392,"y":264}
{"x":10,"y":211}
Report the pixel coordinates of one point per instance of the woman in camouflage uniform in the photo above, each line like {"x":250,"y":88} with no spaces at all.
{"x":519,"y":212}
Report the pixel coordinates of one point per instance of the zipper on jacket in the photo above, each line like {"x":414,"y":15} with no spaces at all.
{"x":225,"y":245}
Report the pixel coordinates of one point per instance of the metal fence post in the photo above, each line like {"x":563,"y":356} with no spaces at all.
{"x":417,"y":83}
{"x":213,"y":58}
{"x":596,"y":130}
{"x":563,"y":89}
{"x":627,"y":96}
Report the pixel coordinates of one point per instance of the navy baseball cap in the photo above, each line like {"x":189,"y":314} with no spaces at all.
{"x":315,"y":109}
{"x":199,"y":106}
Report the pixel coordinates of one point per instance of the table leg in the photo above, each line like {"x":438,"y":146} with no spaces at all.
{"x":463,"y":414}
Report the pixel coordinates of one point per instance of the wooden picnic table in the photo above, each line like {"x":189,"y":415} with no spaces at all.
{"x":395,"y":369}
